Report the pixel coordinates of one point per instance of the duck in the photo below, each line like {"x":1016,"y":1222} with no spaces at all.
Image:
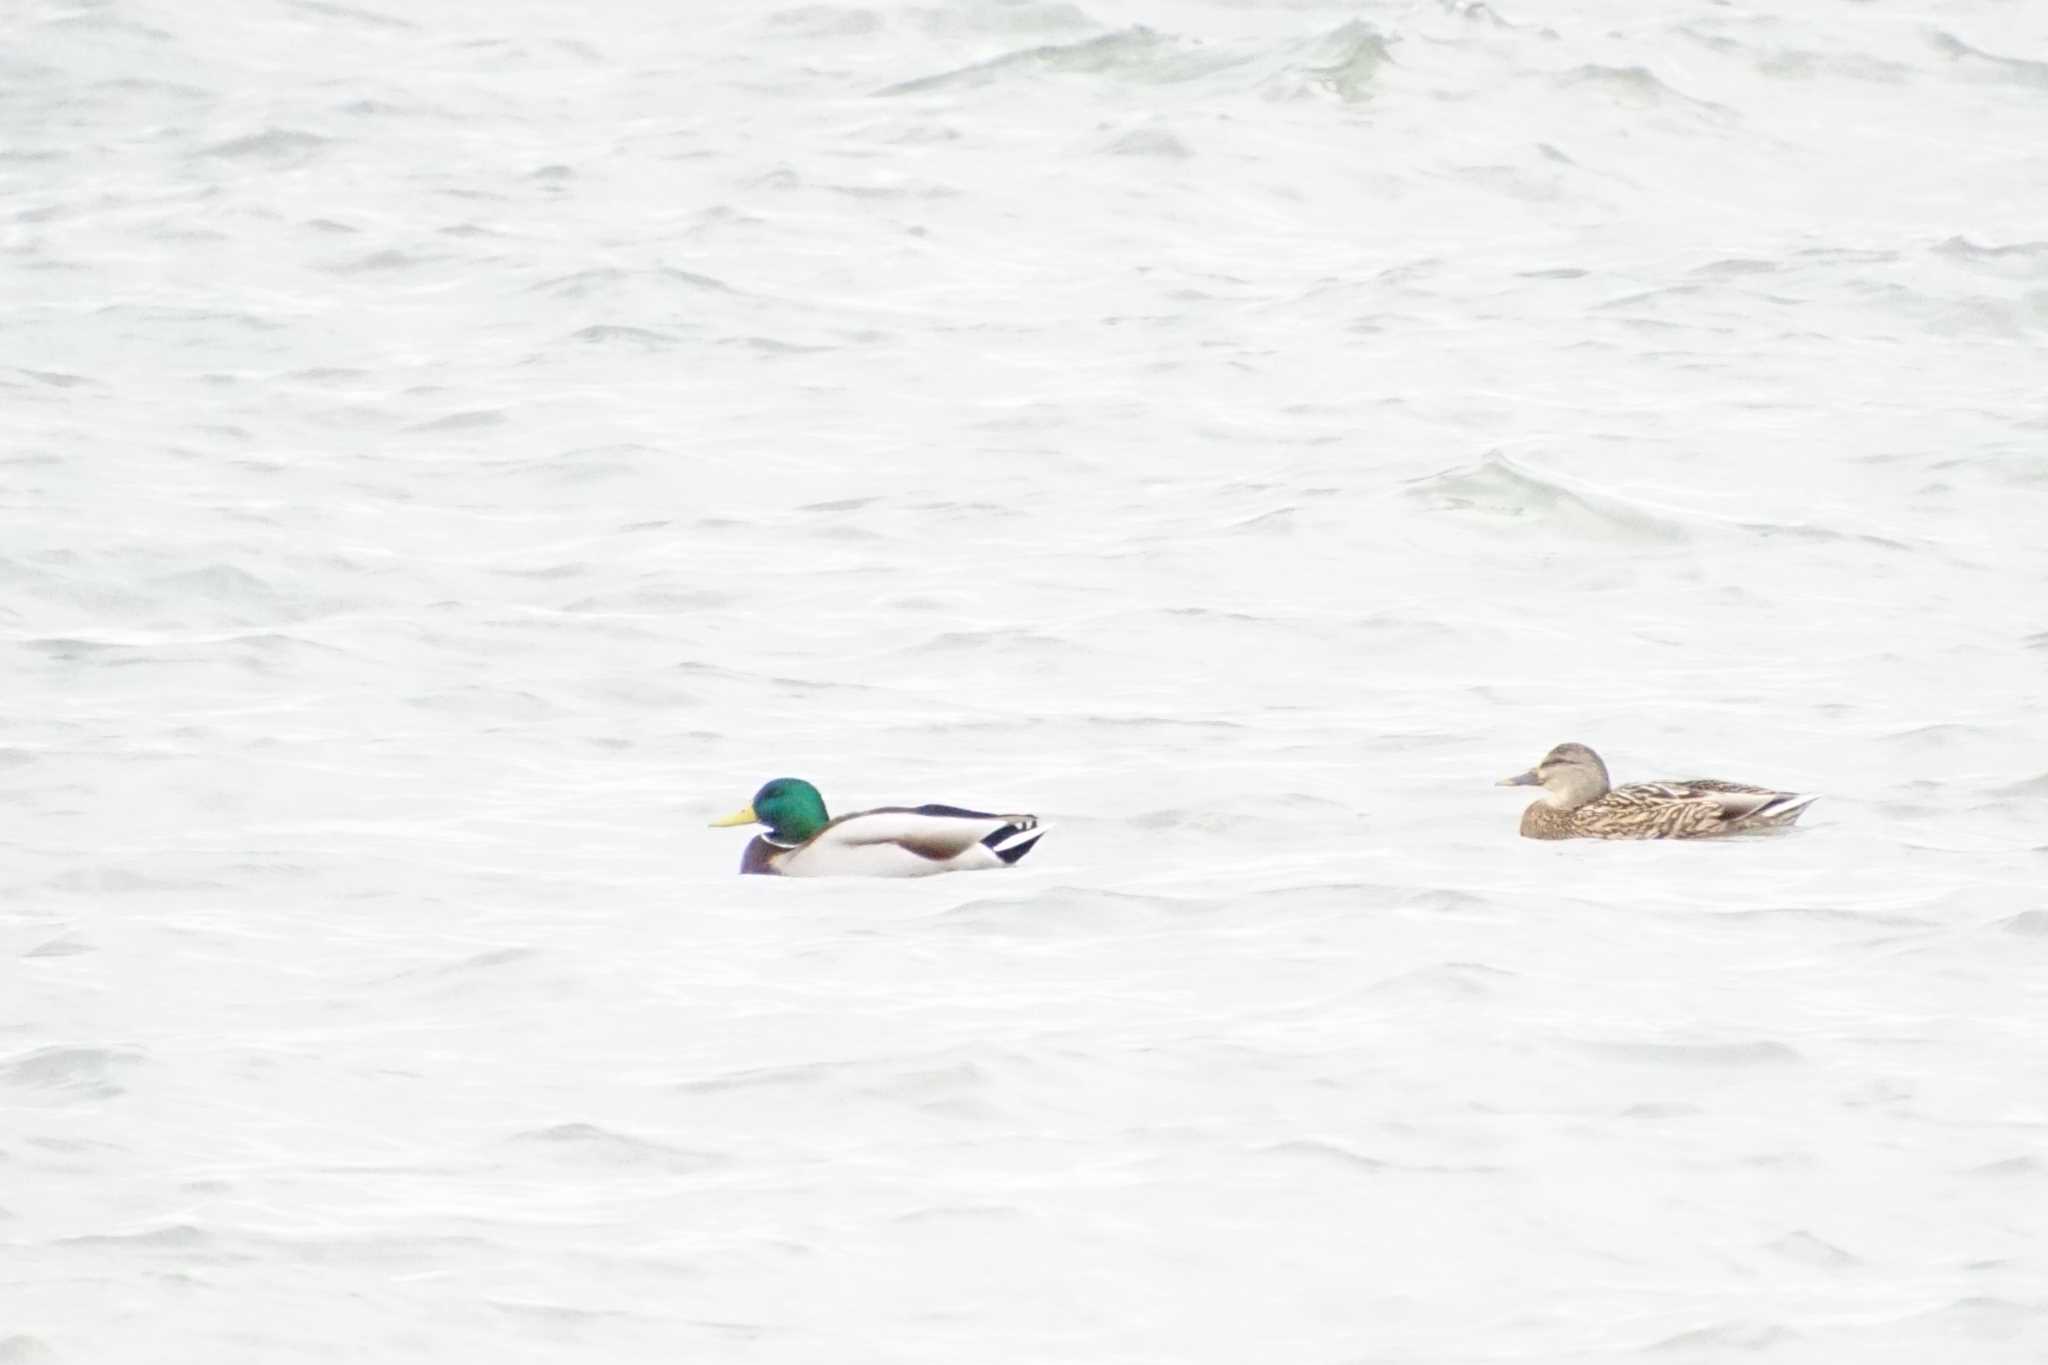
{"x":889,"y":841}
{"x":1580,"y":803}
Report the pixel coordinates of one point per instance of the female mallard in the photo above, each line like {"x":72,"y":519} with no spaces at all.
{"x":1578,"y":803}
{"x":891,"y":841}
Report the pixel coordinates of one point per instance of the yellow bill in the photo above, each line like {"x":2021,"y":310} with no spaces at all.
{"x":743,"y":816}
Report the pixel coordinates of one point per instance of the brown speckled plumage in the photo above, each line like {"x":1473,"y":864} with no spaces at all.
{"x":1580,"y":804}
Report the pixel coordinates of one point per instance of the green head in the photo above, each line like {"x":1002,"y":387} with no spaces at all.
{"x":789,"y":806}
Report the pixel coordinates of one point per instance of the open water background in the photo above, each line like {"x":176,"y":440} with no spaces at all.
{"x":450,"y":452}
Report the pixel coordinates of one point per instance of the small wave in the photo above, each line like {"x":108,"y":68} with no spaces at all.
{"x":2016,"y":260}
{"x":58,"y":380}
{"x":355,"y":15}
{"x":655,"y":600}
{"x":996,"y":640}
{"x":1803,"y":530}
{"x":67,"y":649}
{"x":480,"y":419}
{"x":1845,"y":255}
{"x":1804,"y":1247}
{"x":221,"y":583}
{"x":380,"y":262}
{"x":1801,"y":65}
{"x":373,"y":109}
{"x":1276,"y":521}
{"x":144,"y":85}
{"x":265,"y":646}
{"x":1638,"y":299}
{"x":1830,"y":914}
{"x":121,"y":881}
{"x":826,"y":21}
{"x":1004,"y":16}
{"x":1636,"y":86}
{"x":1763,"y":1052}
{"x":184,"y":1237}
{"x":1328,"y":1152}
{"x":1171,"y":723}
{"x":605,"y":279}
{"x":2033,"y":787}
{"x":1216,"y":614}
{"x":1504,"y":488}
{"x":1726,"y":1336}
{"x":959,"y":1213}
{"x":1445,"y":981}
{"x":1479,"y":12}
{"x":1345,"y":62}
{"x":907,"y":190}
{"x":279,"y":145}
{"x":1732,"y":267}
{"x":484,"y":961}
{"x":86,"y":1072}
{"x":545,"y":573}
{"x":580,"y":465}
{"x":1516,"y":182}
{"x":535,"y":1313}
{"x":1149,"y":142}
{"x":2029,"y":923}
{"x":1984,"y":1316}
{"x":1657,"y":1109}
{"x":775,"y":346}
{"x":760,"y":1077}
{"x":1446,"y":901}
{"x":99,"y":19}
{"x":947,"y":1088}
{"x":1281,"y":810}
{"x":1500,"y":487}
{"x":620,"y":334}
{"x":1998,"y":315}
{"x":1060,"y":912}
{"x":1133,"y":54}
{"x":1944,"y":735}
{"x":2012,"y":70}
{"x":603,"y":1145}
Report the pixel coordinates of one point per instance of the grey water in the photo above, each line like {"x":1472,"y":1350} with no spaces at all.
{"x":450,"y":453}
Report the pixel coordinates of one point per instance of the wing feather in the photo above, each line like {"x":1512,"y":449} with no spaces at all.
{"x":936,"y":832}
{"x":1705,"y":805}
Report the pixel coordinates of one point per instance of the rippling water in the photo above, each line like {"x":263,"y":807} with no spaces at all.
{"x":451,"y":452}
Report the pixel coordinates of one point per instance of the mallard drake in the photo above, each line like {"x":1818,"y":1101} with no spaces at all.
{"x":889,"y":841}
{"x":1579,"y":803}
